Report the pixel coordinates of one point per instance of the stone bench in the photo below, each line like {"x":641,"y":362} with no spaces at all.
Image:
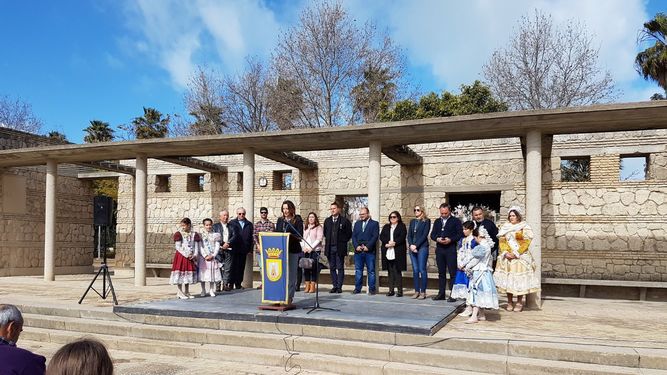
{"x":156,"y":267}
{"x":643,"y":286}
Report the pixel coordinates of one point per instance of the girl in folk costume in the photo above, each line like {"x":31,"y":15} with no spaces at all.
{"x":463,"y":256}
{"x":515,"y":270}
{"x":183,"y":268}
{"x":482,"y":292}
{"x":209,"y":267}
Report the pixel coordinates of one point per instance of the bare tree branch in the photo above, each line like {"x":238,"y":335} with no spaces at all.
{"x":17,"y":114}
{"x":548,"y":67}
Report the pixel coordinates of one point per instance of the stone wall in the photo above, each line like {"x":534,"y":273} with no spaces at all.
{"x":22,"y":192}
{"x":604,"y":228}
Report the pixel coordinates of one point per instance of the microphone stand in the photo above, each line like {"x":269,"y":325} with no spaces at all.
{"x":316,"y":305}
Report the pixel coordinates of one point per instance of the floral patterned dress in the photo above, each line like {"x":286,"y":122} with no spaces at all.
{"x":516,"y":276}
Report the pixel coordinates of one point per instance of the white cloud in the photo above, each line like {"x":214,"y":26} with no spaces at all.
{"x":178,"y":35}
{"x":455,"y":39}
{"x":452,"y":40}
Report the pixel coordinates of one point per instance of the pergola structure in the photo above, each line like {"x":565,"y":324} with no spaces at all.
{"x":534,"y":128}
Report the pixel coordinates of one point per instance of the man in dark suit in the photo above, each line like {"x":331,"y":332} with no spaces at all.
{"x":337,"y":233}
{"x":364,"y":239}
{"x":243,"y":245}
{"x":228,"y":237}
{"x":447,"y":230}
{"x":15,"y":360}
{"x":478,"y":216}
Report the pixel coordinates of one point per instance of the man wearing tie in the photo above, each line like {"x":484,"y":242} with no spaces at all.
{"x":447,"y":231}
{"x":337,"y":233}
{"x":364,"y":239}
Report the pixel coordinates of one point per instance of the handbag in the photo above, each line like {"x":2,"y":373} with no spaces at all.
{"x":306,"y":263}
{"x":391,"y":253}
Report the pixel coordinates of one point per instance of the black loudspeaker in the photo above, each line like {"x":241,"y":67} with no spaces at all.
{"x":103,"y":208}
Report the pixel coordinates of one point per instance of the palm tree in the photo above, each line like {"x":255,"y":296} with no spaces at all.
{"x":98,"y":131}
{"x":651,"y":63}
{"x":151,"y":124}
{"x":57,"y":137}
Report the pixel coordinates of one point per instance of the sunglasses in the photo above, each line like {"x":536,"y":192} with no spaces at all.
{"x":241,"y":213}
{"x":393,"y":217}
{"x":417,"y":209}
{"x":264,"y":212}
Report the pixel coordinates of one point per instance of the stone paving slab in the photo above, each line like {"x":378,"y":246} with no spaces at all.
{"x":617,"y":323}
{"x":360,"y":311}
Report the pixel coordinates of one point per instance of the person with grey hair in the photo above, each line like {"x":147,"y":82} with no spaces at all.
{"x":224,"y":256}
{"x":16,"y":360}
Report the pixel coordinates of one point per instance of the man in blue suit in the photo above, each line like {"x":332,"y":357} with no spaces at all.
{"x":364,"y":239}
{"x":447,"y":230}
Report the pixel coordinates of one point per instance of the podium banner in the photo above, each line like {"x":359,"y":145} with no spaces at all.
{"x":275,"y":266}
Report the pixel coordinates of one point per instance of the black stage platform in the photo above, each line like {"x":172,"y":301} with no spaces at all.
{"x":361,"y":311}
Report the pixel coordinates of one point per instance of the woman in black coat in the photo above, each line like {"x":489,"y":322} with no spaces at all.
{"x":394,"y":249}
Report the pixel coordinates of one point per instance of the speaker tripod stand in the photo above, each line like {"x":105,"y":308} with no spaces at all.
{"x":106,"y":276}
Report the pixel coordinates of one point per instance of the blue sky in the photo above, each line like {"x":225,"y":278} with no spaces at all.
{"x":76,"y":61}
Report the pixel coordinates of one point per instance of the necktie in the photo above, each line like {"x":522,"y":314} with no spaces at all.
{"x":363,"y":226}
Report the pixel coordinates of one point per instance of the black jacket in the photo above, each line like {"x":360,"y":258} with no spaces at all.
{"x":344,"y":228}
{"x":400,"y":249}
{"x":491,"y":227}
{"x":453,"y":230}
{"x":217,"y":227}
{"x":245,"y":239}
{"x":295,"y":231}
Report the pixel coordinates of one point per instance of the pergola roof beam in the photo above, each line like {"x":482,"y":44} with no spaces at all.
{"x":291,"y":159}
{"x":195,"y":163}
{"x":403,"y":155}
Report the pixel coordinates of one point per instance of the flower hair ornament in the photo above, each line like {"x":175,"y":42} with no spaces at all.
{"x":485,"y":234}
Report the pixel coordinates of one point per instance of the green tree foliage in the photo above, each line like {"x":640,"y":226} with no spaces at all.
{"x":377,"y":87}
{"x":151,"y":124}
{"x":57,"y":137}
{"x":107,"y":187}
{"x":475,"y":98}
{"x":98,"y":131}
{"x":575,"y":170}
{"x":651,"y":63}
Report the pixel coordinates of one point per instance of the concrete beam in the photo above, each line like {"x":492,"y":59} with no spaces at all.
{"x":195,"y":163}
{"x":109,"y":166}
{"x":403,"y":155}
{"x":140,"y":197}
{"x":291,"y":159}
{"x":592,"y":119}
{"x":50,"y":220}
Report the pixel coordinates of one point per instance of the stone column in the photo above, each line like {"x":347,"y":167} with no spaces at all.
{"x":249,"y":205}
{"x":374,"y":176}
{"x":140,"y":193}
{"x":50,"y":220}
{"x":534,"y":201}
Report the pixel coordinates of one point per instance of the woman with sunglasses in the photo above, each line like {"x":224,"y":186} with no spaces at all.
{"x":418,"y":250}
{"x":394,"y":247}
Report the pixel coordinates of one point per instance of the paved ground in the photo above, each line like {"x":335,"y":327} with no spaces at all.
{"x":606,"y":322}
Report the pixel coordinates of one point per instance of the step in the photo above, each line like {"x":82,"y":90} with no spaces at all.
{"x":373,"y":359}
{"x":438,"y":347}
{"x":284,"y":358}
{"x":127,"y":362}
